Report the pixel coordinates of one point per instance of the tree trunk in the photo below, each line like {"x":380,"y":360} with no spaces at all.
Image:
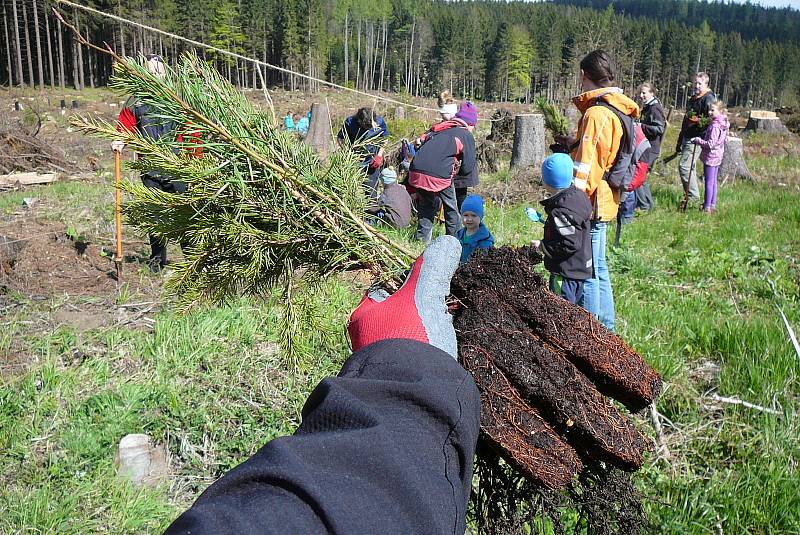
{"x":18,"y":43}
{"x":50,"y":67}
{"x":80,"y":54}
{"x":61,"y":75}
{"x":383,"y":57}
{"x":733,"y":165}
{"x":91,"y":66}
{"x":346,"y":49}
{"x":8,"y":48}
{"x":319,"y":130}
{"x":529,"y":141}
{"x":38,"y":44}
{"x":358,"y":54}
{"x":28,"y":45}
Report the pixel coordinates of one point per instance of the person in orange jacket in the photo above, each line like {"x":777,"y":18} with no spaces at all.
{"x":594,"y":150}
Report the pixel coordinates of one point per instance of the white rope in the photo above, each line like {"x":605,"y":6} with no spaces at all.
{"x":239,"y":56}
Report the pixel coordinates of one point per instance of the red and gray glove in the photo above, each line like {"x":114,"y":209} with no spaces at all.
{"x":416,"y":311}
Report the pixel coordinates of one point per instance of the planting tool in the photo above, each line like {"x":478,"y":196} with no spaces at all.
{"x":117,"y":175}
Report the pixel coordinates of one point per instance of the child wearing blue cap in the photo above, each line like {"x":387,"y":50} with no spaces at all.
{"x":474,"y":234}
{"x":567,"y":243}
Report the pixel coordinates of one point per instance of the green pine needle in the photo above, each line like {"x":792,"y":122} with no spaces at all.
{"x":261,"y":207}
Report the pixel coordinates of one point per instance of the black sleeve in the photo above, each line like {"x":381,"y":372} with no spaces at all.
{"x":384,"y":447}
{"x":655,"y":125}
{"x":565,"y":241}
{"x":469,"y":163}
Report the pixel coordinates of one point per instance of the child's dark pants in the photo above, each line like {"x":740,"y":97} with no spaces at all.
{"x":569,"y":289}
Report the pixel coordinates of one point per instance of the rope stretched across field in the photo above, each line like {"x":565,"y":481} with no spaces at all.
{"x":240,"y":56}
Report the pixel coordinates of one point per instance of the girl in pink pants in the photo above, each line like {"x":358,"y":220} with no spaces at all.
{"x":712,"y":146}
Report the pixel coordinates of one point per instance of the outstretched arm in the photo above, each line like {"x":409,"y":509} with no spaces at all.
{"x":384,"y":447}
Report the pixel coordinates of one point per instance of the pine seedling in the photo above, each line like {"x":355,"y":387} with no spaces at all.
{"x":261,"y":211}
{"x":554,"y":120}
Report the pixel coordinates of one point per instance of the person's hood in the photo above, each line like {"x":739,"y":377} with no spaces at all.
{"x":480,"y":235}
{"x":612,"y":95}
{"x":722,"y":122}
{"x":450,"y":123}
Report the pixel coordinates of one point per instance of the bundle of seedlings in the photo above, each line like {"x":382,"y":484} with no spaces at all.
{"x":263,"y":211}
{"x":555,"y":121}
{"x":546,"y":366}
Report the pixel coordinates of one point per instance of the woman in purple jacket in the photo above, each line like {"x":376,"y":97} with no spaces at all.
{"x":712,"y":149}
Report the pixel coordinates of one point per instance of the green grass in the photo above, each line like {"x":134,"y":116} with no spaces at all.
{"x":689,"y":289}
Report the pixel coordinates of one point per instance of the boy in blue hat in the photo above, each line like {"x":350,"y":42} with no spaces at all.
{"x":473,"y":234}
{"x":567,"y":244}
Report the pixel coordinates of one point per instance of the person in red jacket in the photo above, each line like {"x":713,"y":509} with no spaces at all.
{"x":446,"y":154}
{"x":140,"y":117}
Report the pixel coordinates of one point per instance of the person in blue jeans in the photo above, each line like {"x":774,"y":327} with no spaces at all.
{"x":596,"y":145}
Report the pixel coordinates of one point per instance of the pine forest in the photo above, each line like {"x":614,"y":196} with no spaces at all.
{"x":478,"y":49}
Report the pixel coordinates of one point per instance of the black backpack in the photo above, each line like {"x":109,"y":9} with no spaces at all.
{"x":631,"y":148}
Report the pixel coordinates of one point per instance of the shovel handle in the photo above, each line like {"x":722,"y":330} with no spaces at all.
{"x":118,"y":214}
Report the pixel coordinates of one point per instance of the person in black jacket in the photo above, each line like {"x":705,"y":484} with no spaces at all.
{"x":366,"y":132}
{"x":654,"y":125}
{"x":384,"y":447}
{"x":567,"y":243}
{"x":446,"y":153}
{"x":138,"y":116}
{"x":694,"y":125}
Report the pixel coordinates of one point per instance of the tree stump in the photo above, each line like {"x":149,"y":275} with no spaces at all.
{"x":400,"y":113}
{"x":529,"y":141}
{"x":733,"y":165}
{"x":488,"y":156}
{"x":765,"y":121}
{"x":502,"y":129}
{"x":319,"y":130}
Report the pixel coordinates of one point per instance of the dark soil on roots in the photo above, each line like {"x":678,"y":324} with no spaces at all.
{"x":544,"y":367}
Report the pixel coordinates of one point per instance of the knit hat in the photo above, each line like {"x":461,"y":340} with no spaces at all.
{"x":449,"y":109}
{"x":389,"y":176}
{"x":468,"y":113}
{"x":474,"y":204}
{"x":557,"y":171}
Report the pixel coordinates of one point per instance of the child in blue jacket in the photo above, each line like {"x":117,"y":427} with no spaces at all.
{"x":474,"y":234}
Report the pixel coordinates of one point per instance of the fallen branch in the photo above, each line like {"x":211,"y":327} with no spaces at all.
{"x":789,"y":329}
{"x":662,"y":443}
{"x":737,"y":401}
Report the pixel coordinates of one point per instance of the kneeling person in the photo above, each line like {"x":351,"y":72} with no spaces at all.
{"x":394,"y":204}
{"x":567,"y":244}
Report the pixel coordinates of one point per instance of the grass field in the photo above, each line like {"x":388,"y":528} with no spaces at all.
{"x":692,"y":293}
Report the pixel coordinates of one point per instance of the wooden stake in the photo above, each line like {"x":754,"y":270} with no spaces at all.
{"x":117,"y":175}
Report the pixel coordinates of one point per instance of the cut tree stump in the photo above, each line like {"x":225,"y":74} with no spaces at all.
{"x":529,"y":141}
{"x":319,"y":134}
{"x":399,"y":113}
{"x":733,"y":165}
{"x":765,"y":121}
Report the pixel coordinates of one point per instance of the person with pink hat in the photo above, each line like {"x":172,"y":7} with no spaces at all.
{"x":444,"y":162}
